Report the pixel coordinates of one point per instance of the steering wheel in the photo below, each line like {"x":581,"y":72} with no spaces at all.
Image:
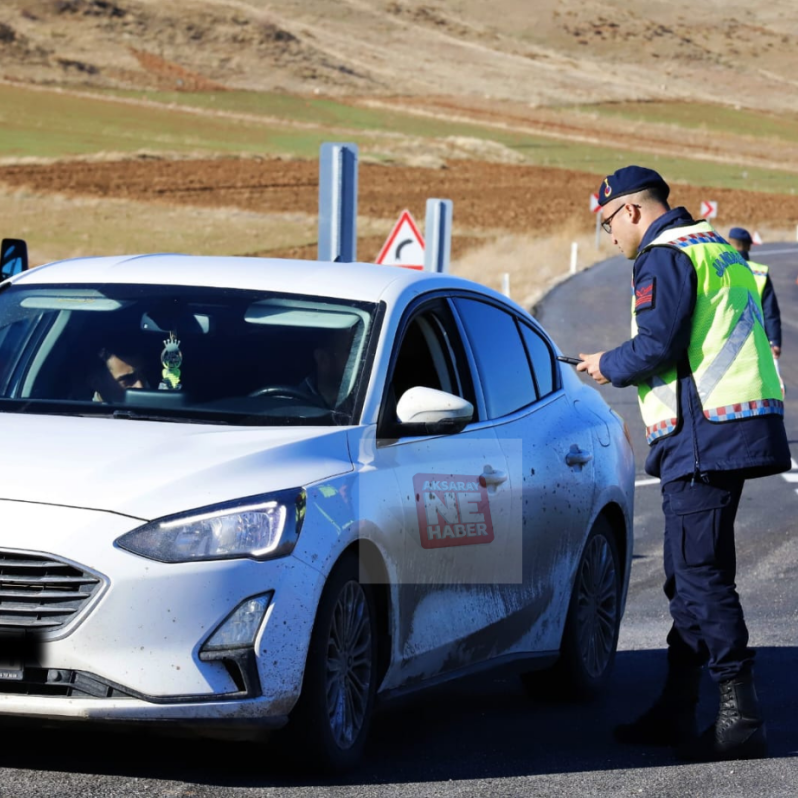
{"x":290,"y":391}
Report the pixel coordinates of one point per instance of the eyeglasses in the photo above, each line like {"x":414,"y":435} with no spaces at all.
{"x":606,"y":225}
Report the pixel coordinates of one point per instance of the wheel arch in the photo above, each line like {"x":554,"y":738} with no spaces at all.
{"x":614,"y":516}
{"x":374,"y":572}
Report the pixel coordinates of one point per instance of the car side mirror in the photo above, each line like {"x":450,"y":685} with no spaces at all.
{"x":426,"y":411}
{"x":13,"y":257}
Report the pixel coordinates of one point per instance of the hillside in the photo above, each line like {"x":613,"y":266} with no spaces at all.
{"x":543,"y":53}
{"x":193,"y":126}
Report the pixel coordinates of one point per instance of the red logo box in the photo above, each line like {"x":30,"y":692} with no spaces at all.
{"x":453,"y":510}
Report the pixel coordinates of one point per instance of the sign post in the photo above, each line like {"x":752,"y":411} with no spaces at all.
{"x":438,"y":231}
{"x":338,"y":202}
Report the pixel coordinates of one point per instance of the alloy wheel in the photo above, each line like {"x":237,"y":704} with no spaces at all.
{"x":597,"y":606}
{"x":349,"y":664}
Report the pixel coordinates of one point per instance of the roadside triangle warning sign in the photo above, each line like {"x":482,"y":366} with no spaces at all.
{"x":405,"y":245}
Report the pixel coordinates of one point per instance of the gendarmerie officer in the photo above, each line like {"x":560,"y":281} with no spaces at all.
{"x":741,"y":240}
{"x":713,"y":409}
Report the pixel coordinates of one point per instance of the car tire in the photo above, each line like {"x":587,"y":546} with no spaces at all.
{"x":328,"y":728}
{"x":590,"y":636}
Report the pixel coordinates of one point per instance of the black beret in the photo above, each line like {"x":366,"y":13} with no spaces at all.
{"x":741,"y":234}
{"x":630,"y":180}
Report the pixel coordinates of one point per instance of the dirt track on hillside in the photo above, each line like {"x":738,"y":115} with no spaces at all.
{"x":518,"y":199}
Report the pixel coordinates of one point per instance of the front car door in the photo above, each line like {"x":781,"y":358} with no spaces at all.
{"x":459,"y":540}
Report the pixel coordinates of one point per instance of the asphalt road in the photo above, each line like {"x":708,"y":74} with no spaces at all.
{"x":482,"y":736}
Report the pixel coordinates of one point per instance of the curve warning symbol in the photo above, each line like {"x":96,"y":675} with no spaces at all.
{"x":404,"y":246}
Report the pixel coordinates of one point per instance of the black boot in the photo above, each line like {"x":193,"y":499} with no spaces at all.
{"x":739,"y":730}
{"x":671,"y":719}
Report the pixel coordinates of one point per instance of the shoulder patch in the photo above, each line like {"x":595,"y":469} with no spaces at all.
{"x":644,"y":295}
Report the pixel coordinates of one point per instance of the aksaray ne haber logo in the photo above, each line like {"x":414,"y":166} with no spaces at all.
{"x":453,"y":510}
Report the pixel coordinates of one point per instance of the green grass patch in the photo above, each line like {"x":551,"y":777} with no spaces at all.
{"x":51,"y":124}
{"x":703,"y":116}
{"x":322,"y":112}
{"x":601,"y":160}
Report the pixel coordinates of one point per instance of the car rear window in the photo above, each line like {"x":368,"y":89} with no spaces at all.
{"x":500,"y":356}
{"x":541,"y":359}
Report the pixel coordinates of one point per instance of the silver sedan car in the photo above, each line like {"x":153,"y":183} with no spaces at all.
{"x":245,"y":495}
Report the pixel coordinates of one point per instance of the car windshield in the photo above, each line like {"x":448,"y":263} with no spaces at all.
{"x":177,"y":353}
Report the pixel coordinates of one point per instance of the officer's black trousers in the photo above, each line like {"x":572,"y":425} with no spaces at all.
{"x":700,"y":568}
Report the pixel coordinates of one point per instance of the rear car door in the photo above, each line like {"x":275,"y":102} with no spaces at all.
{"x":550,"y":451}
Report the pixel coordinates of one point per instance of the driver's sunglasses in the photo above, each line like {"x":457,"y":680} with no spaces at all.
{"x":127,"y":381}
{"x":606,"y":225}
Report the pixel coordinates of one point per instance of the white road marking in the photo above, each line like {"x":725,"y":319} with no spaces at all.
{"x":792,"y":476}
{"x":777,"y":251}
{"x":789,"y":476}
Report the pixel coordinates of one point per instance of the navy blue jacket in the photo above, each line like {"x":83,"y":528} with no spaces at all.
{"x":754,"y":446}
{"x":770,"y":309}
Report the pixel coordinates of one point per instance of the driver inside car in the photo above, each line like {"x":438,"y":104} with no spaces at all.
{"x":120,"y":369}
{"x":329,"y":359}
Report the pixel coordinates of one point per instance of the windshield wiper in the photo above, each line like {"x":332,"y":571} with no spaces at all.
{"x":136,"y":415}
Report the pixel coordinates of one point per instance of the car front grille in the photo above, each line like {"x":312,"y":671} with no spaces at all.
{"x":42,"y":593}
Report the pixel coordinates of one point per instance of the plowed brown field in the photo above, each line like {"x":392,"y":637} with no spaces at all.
{"x":487,"y":197}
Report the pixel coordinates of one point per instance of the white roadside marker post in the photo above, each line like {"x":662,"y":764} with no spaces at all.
{"x":438,"y":235}
{"x":574,"y":252}
{"x":338,"y":202}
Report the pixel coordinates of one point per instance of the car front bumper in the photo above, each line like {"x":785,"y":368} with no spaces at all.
{"x":244,"y":719}
{"x":132,"y":652}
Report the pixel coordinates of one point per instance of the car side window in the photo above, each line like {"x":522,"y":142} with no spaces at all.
{"x":500,"y":356}
{"x":421,"y":360}
{"x":541,"y":358}
{"x":430,"y":356}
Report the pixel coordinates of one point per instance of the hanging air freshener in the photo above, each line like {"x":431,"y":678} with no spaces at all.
{"x":171,"y":359}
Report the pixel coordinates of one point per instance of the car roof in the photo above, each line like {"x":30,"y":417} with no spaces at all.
{"x":358,"y":281}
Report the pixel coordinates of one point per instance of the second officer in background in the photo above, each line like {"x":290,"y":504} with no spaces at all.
{"x":741,"y":240}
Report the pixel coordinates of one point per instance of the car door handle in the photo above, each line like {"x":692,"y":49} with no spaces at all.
{"x":491,"y":477}
{"x":576,"y":457}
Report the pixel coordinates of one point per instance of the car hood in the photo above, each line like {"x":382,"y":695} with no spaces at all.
{"x":150,"y":469}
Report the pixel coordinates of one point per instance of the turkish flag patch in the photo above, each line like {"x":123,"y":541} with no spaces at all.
{"x":644,"y":296}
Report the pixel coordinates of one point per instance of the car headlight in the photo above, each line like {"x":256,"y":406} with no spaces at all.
{"x":259,"y":527}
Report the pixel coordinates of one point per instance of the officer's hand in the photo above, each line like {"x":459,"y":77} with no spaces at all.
{"x":776,"y":351}
{"x":590,"y":364}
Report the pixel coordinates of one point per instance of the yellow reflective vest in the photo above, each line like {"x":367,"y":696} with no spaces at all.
{"x":760,"y":272}
{"x":728,"y":353}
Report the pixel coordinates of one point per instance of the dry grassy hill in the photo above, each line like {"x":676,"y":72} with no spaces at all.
{"x":539,"y":52}
{"x":497,"y":92}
